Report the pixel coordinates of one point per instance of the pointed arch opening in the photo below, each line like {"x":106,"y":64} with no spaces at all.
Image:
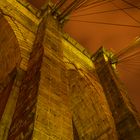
{"x":9,"y":59}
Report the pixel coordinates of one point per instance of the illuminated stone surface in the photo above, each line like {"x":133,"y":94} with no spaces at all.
{"x":54,"y":89}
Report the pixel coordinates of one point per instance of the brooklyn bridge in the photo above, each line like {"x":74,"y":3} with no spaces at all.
{"x":54,"y":88}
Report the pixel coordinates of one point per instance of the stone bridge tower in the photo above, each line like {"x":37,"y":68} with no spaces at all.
{"x":51,"y":88}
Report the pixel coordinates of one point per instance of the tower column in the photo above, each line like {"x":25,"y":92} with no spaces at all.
{"x":124,"y":113}
{"x":53,"y":120}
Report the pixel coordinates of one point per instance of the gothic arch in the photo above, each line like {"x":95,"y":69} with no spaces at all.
{"x":9,"y":60}
{"x":89,"y":107}
{"x":23,"y":35}
{"x":9,"y":48}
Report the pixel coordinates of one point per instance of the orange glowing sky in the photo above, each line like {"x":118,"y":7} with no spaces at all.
{"x":92,"y":36}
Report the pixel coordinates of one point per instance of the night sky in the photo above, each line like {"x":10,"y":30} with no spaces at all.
{"x":115,"y":38}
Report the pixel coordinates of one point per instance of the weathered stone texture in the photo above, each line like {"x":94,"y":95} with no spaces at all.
{"x":9,"y":59}
{"x":20,"y":13}
{"x":61,"y":94}
{"x":53,"y":118}
{"x":10,"y":105}
{"x":124,"y":114}
{"x":9,"y":49}
{"x":87,"y":104}
{"x":24,"y":116}
{"x":5,"y":89}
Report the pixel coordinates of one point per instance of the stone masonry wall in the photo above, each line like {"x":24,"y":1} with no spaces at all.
{"x":24,"y":116}
{"x":23,"y":24}
{"x":9,"y":57}
{"x":5,"y":88}
{"x":87,"y":99}
{"x":125,"y":116}
{"x":91,"y":114}
{"x":53,"y":116}
{"x":9,"y":49}
{"x":61,"y":95}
